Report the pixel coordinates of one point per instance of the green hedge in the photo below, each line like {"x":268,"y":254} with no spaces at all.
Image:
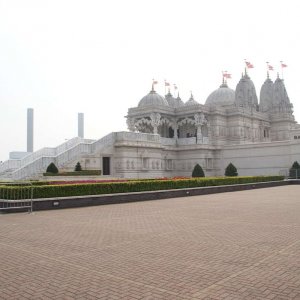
{"x":50,"y":191}
{"x":75,"y":173}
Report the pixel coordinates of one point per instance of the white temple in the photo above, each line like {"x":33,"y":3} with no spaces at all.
{"x":168,"y":137}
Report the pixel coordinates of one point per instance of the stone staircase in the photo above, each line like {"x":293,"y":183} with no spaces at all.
{"x":60,"y":156}
{"x":36,"y":163}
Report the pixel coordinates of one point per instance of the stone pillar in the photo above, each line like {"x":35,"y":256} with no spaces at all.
{"x":199,"y":134}
{"x":199,"y":121}
{"x":174,"y":126}
{"x":155,"y":121}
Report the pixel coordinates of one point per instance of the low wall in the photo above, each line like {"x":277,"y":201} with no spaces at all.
{"x":81,"y":201}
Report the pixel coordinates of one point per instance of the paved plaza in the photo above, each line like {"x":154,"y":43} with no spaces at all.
{"x":239,"y":245}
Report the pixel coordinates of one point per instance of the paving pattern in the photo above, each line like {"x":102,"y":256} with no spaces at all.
{"x":240,"y":245}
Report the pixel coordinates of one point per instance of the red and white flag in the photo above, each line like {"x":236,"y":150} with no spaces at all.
{"x":167,"y":83}
{"x":283,"y":65}
{"x":226,"y":75}
{"x":155,"y":81}
{"x":249,"y":65}
{"x":270,"y":68}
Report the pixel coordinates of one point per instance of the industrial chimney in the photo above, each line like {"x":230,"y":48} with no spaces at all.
{"x":29,"y":129}
{"x":81,"y":125}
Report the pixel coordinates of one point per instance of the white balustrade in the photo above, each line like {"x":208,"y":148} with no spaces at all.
{"x":168,"y":141}
{"x":137,"y":136}
{"x":186,"y":141}
{"x":10,"y":164}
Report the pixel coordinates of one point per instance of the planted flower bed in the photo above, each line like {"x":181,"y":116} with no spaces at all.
{"x":66,"y":189}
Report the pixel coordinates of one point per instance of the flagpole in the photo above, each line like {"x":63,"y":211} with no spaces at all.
{"x":281,"y":69}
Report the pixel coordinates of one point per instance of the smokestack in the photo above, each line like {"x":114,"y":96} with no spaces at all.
{"x":81,"y":125}
{"x":29,"y":129}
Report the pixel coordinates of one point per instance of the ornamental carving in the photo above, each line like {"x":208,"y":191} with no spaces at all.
{"x":131,"y":124}
{"x":200,"y":119}
{"x":155,"y":119}
{"x":186,"y":121}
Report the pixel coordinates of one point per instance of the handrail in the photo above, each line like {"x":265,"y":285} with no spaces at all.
{"x":41,"y":163}
{"x":47,"y":151}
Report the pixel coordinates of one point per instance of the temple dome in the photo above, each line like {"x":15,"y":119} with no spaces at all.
{"x":191,"y":101}
{"x":153,"y":99}
{"x":221,"y":97}
{"x":245,"y":93}
{"x":266,"y":95}
{"x":174,"y":102}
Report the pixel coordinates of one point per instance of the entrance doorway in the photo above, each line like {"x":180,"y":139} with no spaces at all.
{"x":106,"y":165}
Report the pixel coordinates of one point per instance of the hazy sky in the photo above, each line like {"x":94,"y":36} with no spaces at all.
{"x":99,"y":57}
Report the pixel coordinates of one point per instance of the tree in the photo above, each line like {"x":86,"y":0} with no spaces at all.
{"x":231,"y":170}
{"x":52,"y":168}
{"x":295,"y":170}
{"x":78,"y":167}
{"x":198,"y":171}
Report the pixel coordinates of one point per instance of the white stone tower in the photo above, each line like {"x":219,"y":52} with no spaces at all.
{"x":29,"y":129}
{"x":81,"y":125}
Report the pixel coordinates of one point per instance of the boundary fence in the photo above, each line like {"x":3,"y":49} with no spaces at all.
{"x":12,"y":199}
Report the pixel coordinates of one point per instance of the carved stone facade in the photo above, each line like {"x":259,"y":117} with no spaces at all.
{"x":168,"y":137}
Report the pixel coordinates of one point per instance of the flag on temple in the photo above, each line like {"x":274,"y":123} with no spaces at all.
{"x":270,"y":68}
{"x":249,"y":65}
{"x":167,"y":83}
{"x":283,"y":65}
{"x":226,"y":75}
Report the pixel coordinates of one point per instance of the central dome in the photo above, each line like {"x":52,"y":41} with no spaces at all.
{"x":153,"y":99}
{"x":221,"y":97}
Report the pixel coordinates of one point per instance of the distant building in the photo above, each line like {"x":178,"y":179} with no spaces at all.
{"x":30,"y":130}
{"x":81,"y":125}
{"x":168,"y":137}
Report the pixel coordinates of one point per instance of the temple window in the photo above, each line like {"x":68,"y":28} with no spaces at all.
{"x":145,"y":163}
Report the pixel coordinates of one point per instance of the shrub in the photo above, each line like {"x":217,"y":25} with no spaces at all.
{"x":78,"y":167}
{"x":231,"y":170}
{"x":198,"y":171}
{"x":295,"y":170}
{"x":76,"y":173}
{"x":52,"y":169}
{"x":51,"y":191}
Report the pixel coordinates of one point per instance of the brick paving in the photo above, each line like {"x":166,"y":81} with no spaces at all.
{"x":240,"y":245}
